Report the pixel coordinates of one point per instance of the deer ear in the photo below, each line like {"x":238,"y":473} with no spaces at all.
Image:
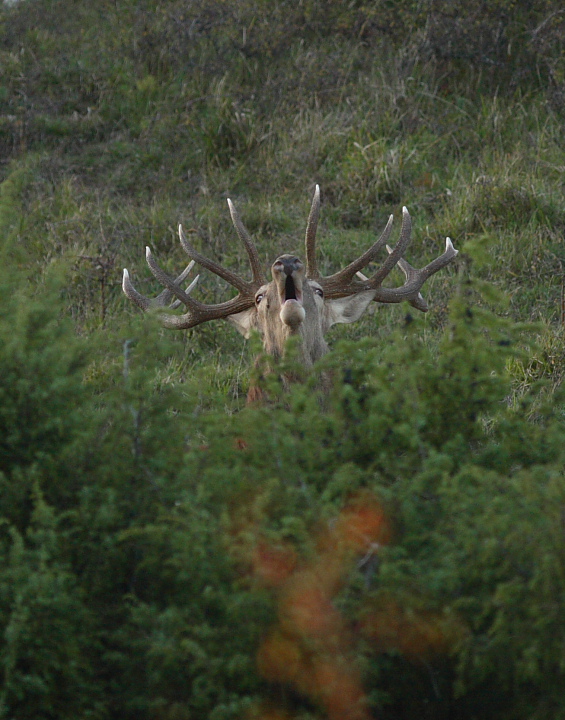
{"x":244,"y":322}
{"x":348,"y":309}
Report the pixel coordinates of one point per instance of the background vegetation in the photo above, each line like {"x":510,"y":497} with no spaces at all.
{"x":394,"y":549}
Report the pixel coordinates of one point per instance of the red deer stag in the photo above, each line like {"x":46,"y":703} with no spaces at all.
{"x":298,"y":300}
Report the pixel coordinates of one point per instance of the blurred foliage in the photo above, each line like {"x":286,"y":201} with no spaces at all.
{"x":380,"y":549}
{"x":391,"y":547}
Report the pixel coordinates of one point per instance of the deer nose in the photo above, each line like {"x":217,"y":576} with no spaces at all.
{"x":288,"y":264}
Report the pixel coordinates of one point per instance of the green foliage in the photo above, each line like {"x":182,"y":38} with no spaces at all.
{"x":96,"y":551}
{"x":49,"y":636}
{"x":132,"y":519}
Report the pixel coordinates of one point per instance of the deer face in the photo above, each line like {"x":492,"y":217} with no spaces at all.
{"x":289,"y":305}
{"x":286,"y":295}
{"x":292,"y":304}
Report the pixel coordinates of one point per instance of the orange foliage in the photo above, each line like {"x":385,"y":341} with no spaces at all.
{"x":272,"y":564}
{"x":340,"y":690}
{"x":280,"y":657}
{"x":362,"y":523}
{"x":310,"y":646}
{"x":266,"y":712}
{"x":415,"y":633}
{"x":306,"y":610}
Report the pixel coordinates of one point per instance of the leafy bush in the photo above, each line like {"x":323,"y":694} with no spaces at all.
{"x":158,"y":558}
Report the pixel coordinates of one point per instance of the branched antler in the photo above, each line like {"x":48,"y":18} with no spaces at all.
{"x":163,"y":300}
{"x":347,"y":281}
{"x":198,"y":312}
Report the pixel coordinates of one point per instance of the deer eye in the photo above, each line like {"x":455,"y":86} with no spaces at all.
{"x":259,"y":297}
{"x":318,"y":291}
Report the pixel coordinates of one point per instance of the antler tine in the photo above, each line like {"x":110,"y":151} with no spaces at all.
{"x":440,"y":262}
{"x":244,"y":287}
{"x":397,"y":252}
{"x":256,"y":269}
{"x":165,"y":280}
{"x":164,"y":298}
{"x":177,"y":303}
{"x":344,"y":277}
{"x":199,"y":313}
{"x":140,"y":300}
{"x":310,"y":239}
{"x":415,"y":278}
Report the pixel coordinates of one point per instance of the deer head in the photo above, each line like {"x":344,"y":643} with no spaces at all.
{"x":298,"y":300}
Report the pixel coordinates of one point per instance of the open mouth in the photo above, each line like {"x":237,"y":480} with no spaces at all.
{"x":290,"y":290}
{"x":288,"y":274}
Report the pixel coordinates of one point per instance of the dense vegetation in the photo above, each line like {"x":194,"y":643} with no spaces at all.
{"x":391,"y":548}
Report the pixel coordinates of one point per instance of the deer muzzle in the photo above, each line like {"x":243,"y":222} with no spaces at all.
{"x":288,"y":275}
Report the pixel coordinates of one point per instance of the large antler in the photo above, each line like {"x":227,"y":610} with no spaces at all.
{"x":198,"y":312}
{"x":348,"y":282}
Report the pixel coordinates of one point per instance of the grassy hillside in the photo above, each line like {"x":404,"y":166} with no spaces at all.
{"x":122,"y":119}
{"x":169,"y":554}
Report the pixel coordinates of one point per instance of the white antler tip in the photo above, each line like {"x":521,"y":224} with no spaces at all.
{"x":233,"y":211}
{"x":126,"y":274}
{"x":192,"y":285}
{"x":388,"y":247}
{"x":449,"y":246}
{"x":147,"y":252}
{"x":405,"y":210}
{"x":317,"y":190}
